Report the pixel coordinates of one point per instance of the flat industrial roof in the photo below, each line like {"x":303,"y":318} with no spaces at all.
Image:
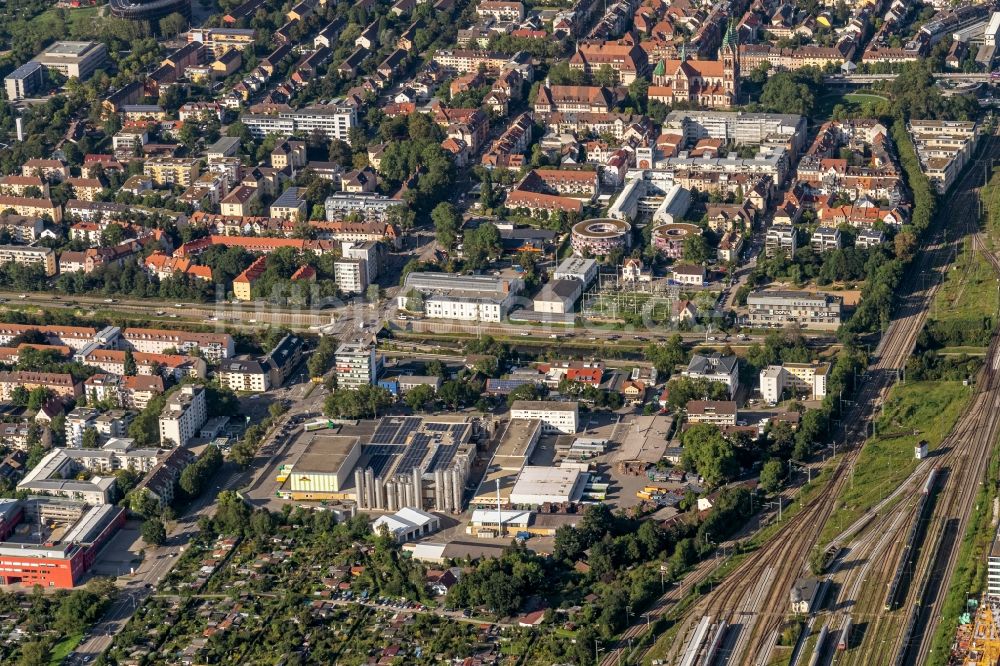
{"x":646,"y":440}
{"x":557,"y":481}
{"x":518,"y":438}
{"x":326,"y":454}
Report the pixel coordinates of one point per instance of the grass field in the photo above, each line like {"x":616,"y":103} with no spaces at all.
{"x":61,"y":649}
{"x":853,"y":102}
{"x":928,"y":408}
{"x":77,"y":19}
{"x":969,"y":291}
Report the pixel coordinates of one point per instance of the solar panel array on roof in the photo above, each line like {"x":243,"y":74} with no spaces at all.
{"x":392,"y":430}
{"x":443,"y":457}
{"x":415,"y":454}
{"x":380,"y":457}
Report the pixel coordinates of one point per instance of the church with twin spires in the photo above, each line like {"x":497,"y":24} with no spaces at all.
{"x":714,"y":84}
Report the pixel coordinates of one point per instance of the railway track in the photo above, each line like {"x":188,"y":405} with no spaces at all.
{"x":752,"y":600}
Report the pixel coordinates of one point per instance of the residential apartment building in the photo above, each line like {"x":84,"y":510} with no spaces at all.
{"x":183,"y":415}
{"x":138,"y":390}
{"x":627,"y":59}
{"x":61,"y":384}
{"x":715,"y":368}
{"x":243,"y":283}
{"x":356,"y":364}
{"x":113,"y":361}
{"x":31,"y":207}
{"x":213,"y":346}
{"x":351,"y":275}
{"x":778,"y":308}
{"x":824,"y":239}
{"x":170,"y":171}
{"x":944,"y":147}
{"x":244,"y":374}
{"x":556,"y":417}
{"x":808,"y":378}
{"x":78,"y":422}
{"x":465,"y":60}
{"x":333,"y":121}
{"x":781,"y":239}
{"x":45,"y":257}
{"x":717,"y":412}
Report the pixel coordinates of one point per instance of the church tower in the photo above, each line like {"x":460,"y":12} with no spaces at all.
{"x":729,"y":53}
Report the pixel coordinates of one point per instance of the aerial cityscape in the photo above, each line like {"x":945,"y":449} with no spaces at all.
{"x":500,"y":333}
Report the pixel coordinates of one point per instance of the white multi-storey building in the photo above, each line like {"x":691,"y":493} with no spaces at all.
{"x":715,"y":368}
{"x":562,"y":417}
{"x":183,"y":415}
{"x":333,"y":121}
{"x":778,"y":308}
{"x":461,"y":297}
{"x":356,"y":364}
{"x":807,"y":377}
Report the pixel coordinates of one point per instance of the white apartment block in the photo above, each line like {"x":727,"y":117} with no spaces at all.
{"x":809,"y":378}
{"x":79,"y":421}
{"x":356,"y":364}
{"x":993,"y":569}
{"x":244,"y":375}
{"x":780,"y":239}
{"x":333,"y":121}
{"x":30,"y":256}
{"x":351,"y":275}
{"x":944,"y":147}
{"x":556,"y":417}
{"x":183,"y":415}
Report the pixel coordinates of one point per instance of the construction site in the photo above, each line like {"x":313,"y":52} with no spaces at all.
{"x":977,"y":642}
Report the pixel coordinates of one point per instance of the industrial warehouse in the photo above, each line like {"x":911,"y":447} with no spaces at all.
{"x":389,"y":464}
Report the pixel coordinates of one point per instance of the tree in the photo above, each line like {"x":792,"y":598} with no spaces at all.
{"x":34,"y":653}
{"x":695,"y":249}
{"x":665,"y":357}
{"x":153,"y":532}
{"x":447,"y":222}
{"x":373,"y":293}
{"x":172,"y":24}
{"x":418,"y":397}
{"x":112,"y":235}
{"x":709,"y":454}
{"x":131,"y":369}
{"x":788,"y":92}
{"x":772,"y":476}
{"x":232,"y":515}
{"x":323,"y":357}
{"x":37,"y":397}
{"x":143,"y":503}
{"x":276,"y":409}
{"x":366,"y":401}
{"x":606,"y":76}
{"x":90,"y":438}
{"x":19,"y":396}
